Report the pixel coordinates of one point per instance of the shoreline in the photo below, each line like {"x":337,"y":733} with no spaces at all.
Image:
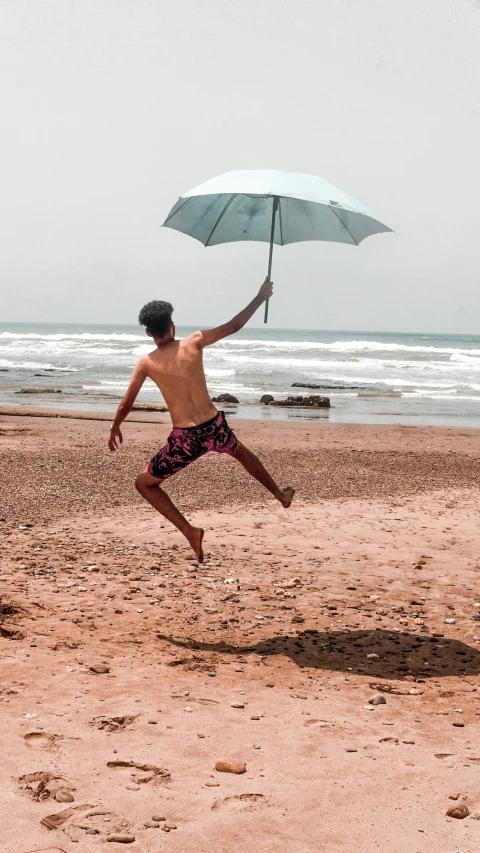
{"x":379,"y":410}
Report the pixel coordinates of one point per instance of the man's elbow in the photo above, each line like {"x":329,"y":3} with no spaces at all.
{"x":235,"y":326}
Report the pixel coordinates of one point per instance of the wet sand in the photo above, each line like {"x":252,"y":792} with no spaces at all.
{"x":263,"y":654}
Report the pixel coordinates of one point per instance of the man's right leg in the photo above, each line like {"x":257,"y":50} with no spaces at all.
{"x":252,"y":464}
{"x":149,"y":488}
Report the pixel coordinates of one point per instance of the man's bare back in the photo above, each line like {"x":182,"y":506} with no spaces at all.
{"x":176,"y":367}
{"x":177,"y":370}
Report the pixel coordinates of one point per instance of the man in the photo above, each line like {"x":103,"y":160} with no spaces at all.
{"x":176,"y":367}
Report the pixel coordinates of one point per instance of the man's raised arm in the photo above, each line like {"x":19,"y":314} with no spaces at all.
{"x":211,"y":336}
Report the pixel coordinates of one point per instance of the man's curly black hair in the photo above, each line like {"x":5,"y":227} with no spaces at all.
{"x":156,"y":317}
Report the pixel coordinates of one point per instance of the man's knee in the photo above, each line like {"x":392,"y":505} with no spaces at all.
{"x":241,"y":452}
{"x":145,"y":481}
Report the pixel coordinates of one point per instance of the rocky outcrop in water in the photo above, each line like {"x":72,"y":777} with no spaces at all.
{"x":225,"y":398}
{"x":314,"y":401}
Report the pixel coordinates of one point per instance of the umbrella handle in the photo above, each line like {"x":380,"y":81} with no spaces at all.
{"x":276,"y":202}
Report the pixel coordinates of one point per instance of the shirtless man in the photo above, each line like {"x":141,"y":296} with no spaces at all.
{"x":176,"y":367}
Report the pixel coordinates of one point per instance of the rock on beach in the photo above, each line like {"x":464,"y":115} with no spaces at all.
{"x":227,"y":765}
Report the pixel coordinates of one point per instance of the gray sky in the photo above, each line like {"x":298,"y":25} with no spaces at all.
{"x":112,"y":108}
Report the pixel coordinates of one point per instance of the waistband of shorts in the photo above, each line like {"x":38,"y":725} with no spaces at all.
{"x":201,"y":426}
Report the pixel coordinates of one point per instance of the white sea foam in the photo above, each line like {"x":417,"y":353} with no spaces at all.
{"x":212,"y":372}
{"x":60,"y":336}
{"x":33,"y":365}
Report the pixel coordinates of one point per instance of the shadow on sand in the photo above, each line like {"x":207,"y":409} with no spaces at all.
{"x":399,"y":654}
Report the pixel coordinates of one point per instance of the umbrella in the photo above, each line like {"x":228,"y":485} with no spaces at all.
{"x":271,"y":206}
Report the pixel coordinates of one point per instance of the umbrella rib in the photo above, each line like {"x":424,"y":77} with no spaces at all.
{"x":220,"y":217}
{"x":280,"y":220}
{"x":342,"y":223}
{"x":171,"y":215}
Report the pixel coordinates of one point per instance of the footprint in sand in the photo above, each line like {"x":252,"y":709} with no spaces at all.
{"x":244,"y":802}
{"x":48,"y":850}
{"x":41,"y":740}
{"x":142,"y":773}
{"x":113,"y":724}
{"x":322,"y":723}
{"x":42,"y":785}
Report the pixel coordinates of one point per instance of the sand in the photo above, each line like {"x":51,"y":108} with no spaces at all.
{"x":261,"y":656}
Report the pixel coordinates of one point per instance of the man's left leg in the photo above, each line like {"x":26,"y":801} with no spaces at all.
{"x":149,"y":488}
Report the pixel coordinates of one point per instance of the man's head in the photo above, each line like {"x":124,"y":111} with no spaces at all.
{"x":157,"y":318}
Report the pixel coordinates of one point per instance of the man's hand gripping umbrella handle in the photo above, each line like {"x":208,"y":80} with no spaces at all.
{"x":276,"y":202}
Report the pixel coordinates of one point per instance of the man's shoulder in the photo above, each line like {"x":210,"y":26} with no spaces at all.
{"x":194,"y":338}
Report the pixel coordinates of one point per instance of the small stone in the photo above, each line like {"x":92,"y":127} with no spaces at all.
{"x":236,"y":705}
{"x":458,"y":725}
{"x":211,"y":674}
{"x":121,"y":839}
{"x":211,"y":784}
{"x":453,"y":796}
{"x":99,"y":668}
{"x":378,"y":699}
{"x":63,"y":796}
{"x":169,"y":826}
{"x":152,"y":722}
{"x":91,"y":832}
{"x":226,"y":765}
{"x":158,"y":819}
{"x":373,"y":656}
{"x":255,"y":717}
{"x":350,"y":750}
{"x":118,"y":611}
{"x":459,"y":810}
{"x":132,"y":787}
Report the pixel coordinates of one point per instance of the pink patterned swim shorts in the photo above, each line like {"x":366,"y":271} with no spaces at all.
{"x":185,"y":445}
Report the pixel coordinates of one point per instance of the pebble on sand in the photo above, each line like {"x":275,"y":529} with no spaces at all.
{"x":378,"y":699}
{"x":226,"y":765}
{"x":459,"y":810}
{"x":63,"y":796}
{"x":99,"y":668}
{"x":121,"y":839}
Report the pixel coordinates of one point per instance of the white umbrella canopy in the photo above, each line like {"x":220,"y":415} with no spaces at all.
{"x":273,"y":207}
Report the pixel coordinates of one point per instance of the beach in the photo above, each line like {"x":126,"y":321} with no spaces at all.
{"x":129,"y":671}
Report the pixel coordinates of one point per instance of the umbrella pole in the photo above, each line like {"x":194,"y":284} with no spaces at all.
{"x":270,"y":257}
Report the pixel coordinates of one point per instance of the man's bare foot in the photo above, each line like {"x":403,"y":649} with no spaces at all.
{"x":287,"y":498}
{"x":196,"y":540}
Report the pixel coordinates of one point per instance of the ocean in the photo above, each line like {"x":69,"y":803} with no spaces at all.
{"x":433,"y":379}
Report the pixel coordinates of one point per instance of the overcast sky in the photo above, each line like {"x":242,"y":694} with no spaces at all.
{"x":110,"y":109}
